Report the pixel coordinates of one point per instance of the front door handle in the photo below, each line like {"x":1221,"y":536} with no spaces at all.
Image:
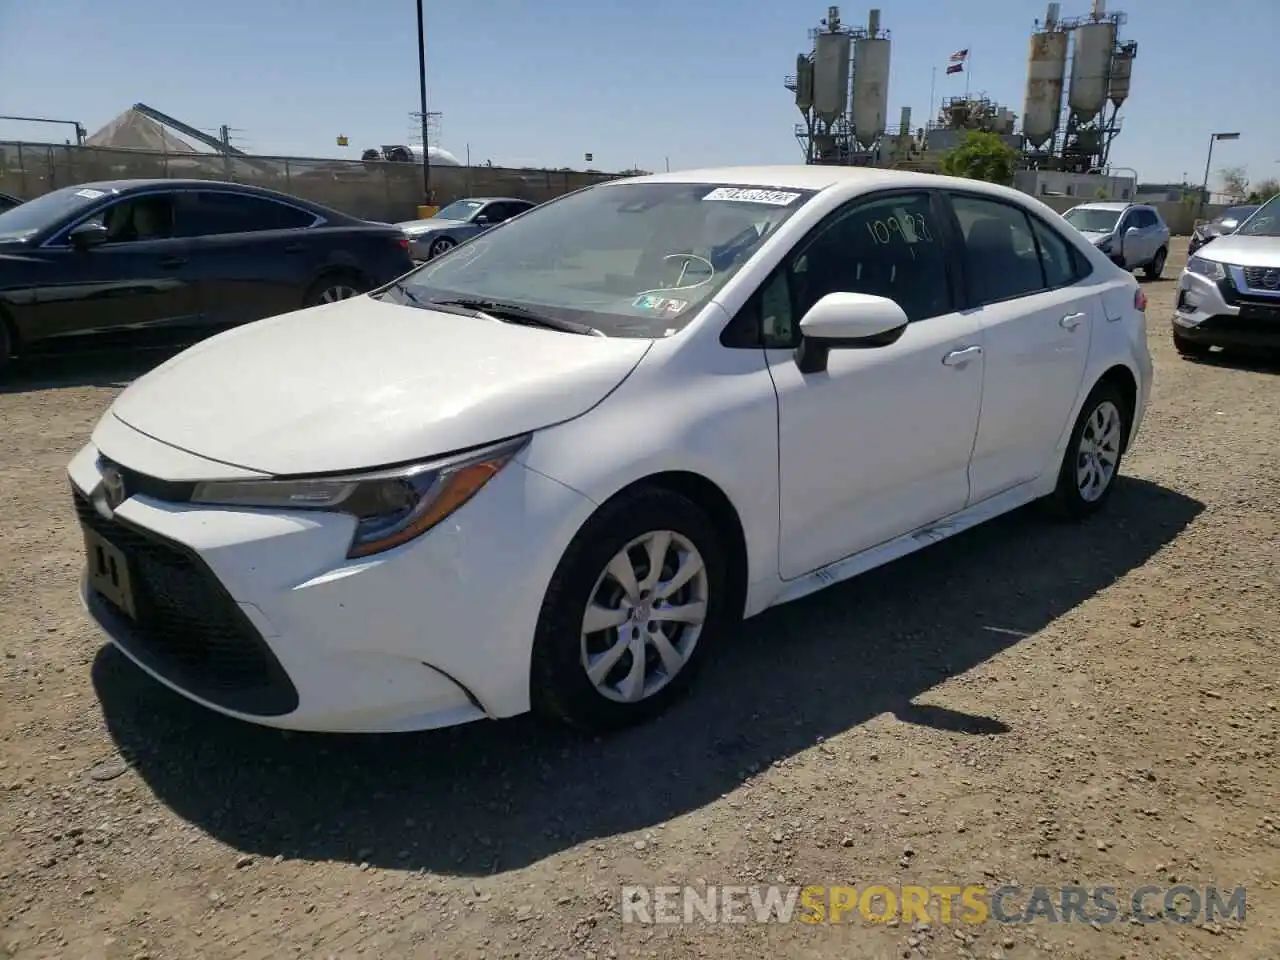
{"x":172,"y":261}
{"x":1071,"y":321}
{"x":958,"y":358}
{"x":294,"y":248}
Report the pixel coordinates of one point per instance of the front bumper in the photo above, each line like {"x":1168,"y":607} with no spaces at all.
{"x":1205,"y":313}
{"x":257,"y":614}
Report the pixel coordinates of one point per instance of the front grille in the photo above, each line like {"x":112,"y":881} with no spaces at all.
{"x":1262,"y":278}
{"x":188,"y":628}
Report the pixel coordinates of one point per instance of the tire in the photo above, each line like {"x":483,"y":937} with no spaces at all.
{"x":620,"y":531}
{"x":440,"y":246}
{"x":1189,"y":348}
{"x":335,"y":286}
{"x":1105,"y":407}
{"x":1155,"y":268}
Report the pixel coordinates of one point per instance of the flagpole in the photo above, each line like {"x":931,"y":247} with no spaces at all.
{"x":933,"y":83}
{"x":968,"y":57}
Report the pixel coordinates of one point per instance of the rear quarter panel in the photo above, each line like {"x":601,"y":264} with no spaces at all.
{"x":376,"y":254}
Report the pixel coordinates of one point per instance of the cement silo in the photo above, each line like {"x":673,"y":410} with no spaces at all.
{"x":1091,"y":69}
{"x":1046,"y":71}
{"x":831,"y":76}
{"x":870,"y":83}
{"x":1121,"y":74}
{"x":804,"y":83}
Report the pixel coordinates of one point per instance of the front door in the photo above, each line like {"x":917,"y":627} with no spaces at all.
{"x":141,"y":277}
{"x":1036,"y":323}
{"x":878,"y":444}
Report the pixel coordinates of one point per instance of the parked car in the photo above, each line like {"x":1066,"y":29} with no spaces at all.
{"x":459,"y":221}
{"x":1222,"y":225}
{"x":1133,"y":235}
{"x":8,"y":202}
{"x":1229,"y":292}
{"x":129,"y":254}
{"x":553,"y":473}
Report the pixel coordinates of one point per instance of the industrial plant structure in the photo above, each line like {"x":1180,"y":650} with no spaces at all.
{"x":842,"y":91}
{"x":1078,"y":76}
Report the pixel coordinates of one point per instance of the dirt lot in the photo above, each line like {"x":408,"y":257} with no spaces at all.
{"x":1028,"y":704}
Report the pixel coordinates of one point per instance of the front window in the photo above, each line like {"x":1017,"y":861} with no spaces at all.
{"x":1092,"y":219}
{"x":1235,"y":215}
{"x":34,"y":215}
{"x":458,"y":210}
{"x":1264,"y":223}
{"x":629,"y":259}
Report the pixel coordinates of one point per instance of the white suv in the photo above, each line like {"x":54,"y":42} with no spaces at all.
{"x":1132,"y":234}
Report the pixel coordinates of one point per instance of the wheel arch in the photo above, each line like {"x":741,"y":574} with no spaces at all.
{"x":1123,"y":379}
{"x":709,"y":497}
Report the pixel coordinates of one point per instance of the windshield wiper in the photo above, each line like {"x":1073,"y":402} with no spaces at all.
{"x":512,"y":313}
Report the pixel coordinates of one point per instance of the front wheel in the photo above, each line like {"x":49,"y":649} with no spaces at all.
{"x":439,"y":246}
{"x":1155,"y":268}
{"x":1092,"y":460}
{"x":630,"y":613}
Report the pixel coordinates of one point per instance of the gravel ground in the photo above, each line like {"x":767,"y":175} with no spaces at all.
{"x":1027,"y":704}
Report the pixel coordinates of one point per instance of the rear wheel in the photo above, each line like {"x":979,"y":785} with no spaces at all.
{"x":1155,"y":268}
{"x":8,"y":345}
{"x":1092,"y":460}
{"x":333,"y":287}
{"x":630,"y":612}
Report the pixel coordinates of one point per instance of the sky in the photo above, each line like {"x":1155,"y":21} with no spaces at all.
{"x":664,"y":82}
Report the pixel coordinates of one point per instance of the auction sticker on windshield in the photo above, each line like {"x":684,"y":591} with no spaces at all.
{"x":90,"y":194}
{"x":774,"y":198}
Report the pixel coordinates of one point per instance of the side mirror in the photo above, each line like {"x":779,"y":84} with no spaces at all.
{"x":88,"y":235}
{"x":483,"y":220}
{"x":847,"y":321}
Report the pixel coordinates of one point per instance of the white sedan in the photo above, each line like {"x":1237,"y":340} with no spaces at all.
{"x":551,"y":469}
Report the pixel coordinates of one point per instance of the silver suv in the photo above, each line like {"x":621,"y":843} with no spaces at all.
{"x":1229,"y":293}
{"x":1132,"y":234}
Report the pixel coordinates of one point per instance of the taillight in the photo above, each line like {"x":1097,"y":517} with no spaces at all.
{"x":403,"y":242}
{"x":1140,"y":300}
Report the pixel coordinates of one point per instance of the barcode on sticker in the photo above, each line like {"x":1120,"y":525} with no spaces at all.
{"x":776,"y":198}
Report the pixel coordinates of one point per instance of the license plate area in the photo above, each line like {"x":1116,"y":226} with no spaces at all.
{"x":109,"y":572}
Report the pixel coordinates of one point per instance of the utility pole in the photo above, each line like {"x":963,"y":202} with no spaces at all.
{"x":1208,"y":161}
{"x":422,"y":96}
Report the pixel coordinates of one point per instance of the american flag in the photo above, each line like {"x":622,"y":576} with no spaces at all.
{"x":960,"y":56}
{"x":955,"y":68}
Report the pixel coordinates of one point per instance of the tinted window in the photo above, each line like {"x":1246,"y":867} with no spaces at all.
{"x":210,"y":213}
{"x":45,"y":211}
{"x":889,"y":248}
{"x":1144,"y":219}
{"x":1061,"y":268}
{"x":148,"y":217}
{"x":1001,"y":258}
{"x":497,"y":212}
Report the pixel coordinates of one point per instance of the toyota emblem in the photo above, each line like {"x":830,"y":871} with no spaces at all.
{"x":113,"y":490}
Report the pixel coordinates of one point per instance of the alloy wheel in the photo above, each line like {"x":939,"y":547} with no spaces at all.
{"x":339,"y":291}
{"x":1099,"y":451}
{"x":644,"y":617}
{"x":443,"y":245}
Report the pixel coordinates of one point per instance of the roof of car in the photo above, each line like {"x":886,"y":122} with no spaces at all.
{"x":1103,"y":205}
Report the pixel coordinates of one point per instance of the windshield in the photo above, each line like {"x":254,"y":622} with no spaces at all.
{"x":629,"y":259}
{"x":1264,"y":223}
{"x":458,"y":210}
{"x":1092,"y":219}
{"x":34,"y":215}
{"x":1235,"y":214}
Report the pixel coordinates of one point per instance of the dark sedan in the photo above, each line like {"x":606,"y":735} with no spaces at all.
{"x":192,"y":254}
{"x":8,"y":202}
{"x":1225,"y":223}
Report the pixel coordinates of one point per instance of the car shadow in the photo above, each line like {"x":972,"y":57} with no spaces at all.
{"x":489,"y":797}
{"x":116,"y":366}
{"x":1246,"y":361}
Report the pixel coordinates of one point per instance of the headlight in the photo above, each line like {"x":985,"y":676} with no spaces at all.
{"x":391,"y":507}
{"x":1211,"y":269}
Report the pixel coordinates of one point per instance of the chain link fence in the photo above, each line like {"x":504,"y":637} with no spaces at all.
{"x":373,"y":189}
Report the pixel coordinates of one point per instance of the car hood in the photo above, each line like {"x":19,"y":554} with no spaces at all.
{"x":362,"y":383}
{"x":418,"y":227}
{"x":1093,"y":236}
{"x":1243,"y":251}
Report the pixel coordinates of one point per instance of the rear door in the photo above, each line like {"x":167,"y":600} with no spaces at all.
{"x":253,"y":255}
{"x":139,"y":278}
{"x":1022,"y":286}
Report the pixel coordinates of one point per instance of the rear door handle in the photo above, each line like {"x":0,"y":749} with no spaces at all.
{"x":172,"y":261}
{"x":958,"y":358}
{"x":1071,"y":321}
{"x":294,"y":248}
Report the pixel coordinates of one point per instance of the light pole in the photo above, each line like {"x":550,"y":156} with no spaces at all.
{"x":1208,"y":161}
{"x":422,"y":106}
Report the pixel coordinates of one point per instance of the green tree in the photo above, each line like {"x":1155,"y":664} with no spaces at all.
{"x":981,"y":156}
{"x":1264,"y":191}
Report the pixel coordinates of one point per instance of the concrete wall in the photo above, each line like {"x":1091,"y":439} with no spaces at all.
{"x":376,"y":190}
